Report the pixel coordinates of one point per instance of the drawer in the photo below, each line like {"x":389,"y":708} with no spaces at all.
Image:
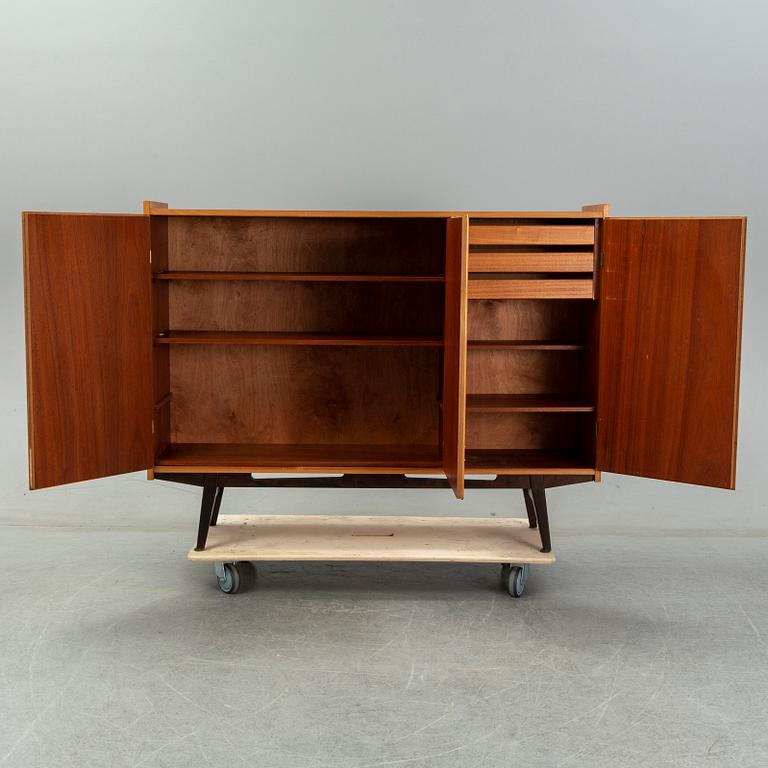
{"x":531,"y":234}
{"x":531,"y":289}
{"x":531,"y":262}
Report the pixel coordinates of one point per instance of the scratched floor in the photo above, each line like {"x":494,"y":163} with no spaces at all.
{"x":639,"y":648}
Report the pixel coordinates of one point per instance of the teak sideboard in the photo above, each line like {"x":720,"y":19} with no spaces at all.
{"x":381,"y":349}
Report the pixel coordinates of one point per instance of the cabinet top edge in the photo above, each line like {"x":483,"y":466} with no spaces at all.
{"x":82,"y":213}
{"x":378,"y":214}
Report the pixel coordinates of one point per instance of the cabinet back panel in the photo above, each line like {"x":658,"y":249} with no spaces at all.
{"x":564,"y":320}
{"x":509,"y":372}
{"x":263,"y":244}
{"x":523,"y":431}
{"x":356,"y":308}
{"x":305,"y":395}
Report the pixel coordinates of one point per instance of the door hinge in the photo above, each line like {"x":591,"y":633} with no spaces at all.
{"x":153,"y":426}
{"x":150,"y":255}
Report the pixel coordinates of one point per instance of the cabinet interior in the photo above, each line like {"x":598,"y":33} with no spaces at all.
{"x":286,"y":342}
{"x":530,"y":398}
{"x":292,"y":341}
{"x":531,"y":343}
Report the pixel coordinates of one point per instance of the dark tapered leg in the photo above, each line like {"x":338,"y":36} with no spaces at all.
{"x":217,"y":505}
{"x":206,"y":510}
{"x":540,"y":502}
{"x":529,"y":507}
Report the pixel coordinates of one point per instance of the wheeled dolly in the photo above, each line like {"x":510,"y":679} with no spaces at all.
{"x":234,"y":541}
{"x":237,"y":576}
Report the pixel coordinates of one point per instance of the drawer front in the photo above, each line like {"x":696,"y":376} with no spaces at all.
{"x":531,"y":262}
{"x":531,"y":234}
{"x":531,"y":289}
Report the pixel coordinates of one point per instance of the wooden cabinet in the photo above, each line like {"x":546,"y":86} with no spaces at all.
{"x":460,"y":343}
{"x":539,"y":346}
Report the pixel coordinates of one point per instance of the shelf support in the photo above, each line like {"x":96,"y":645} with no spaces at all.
{"x":540,"y":505}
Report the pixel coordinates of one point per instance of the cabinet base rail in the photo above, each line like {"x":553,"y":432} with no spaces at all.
{"x":213,"y":485}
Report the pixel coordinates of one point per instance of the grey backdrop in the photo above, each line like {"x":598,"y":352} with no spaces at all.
{"x":655,"y":107}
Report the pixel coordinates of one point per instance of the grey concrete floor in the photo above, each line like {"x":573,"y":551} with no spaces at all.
{"x":642,"y":646}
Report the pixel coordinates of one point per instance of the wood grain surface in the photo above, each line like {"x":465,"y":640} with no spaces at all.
{"x":89,"y":346}
{"x":537,"y":261}
{"x":455,"y":354}
{"x":530,"y":288}
{"x":312,"y":395}
{"x":531,"y":234}
{"x":670,"y":329}
{"x":358,"y":538}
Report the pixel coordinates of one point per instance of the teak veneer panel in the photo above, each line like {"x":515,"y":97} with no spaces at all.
{"x":526,"y":462}
{"x":525,"y":431}
{"x":548,"y":320}
{"x":523,"y":288}
{"x":89,"y":329}
{"x":295,"y":339}
{"x":526,"y":404}
{"x":531,"y":234}
{"x":163,"y":210}
{"x":376,"y":309}
{"x":455,"y":354}
{"x":357,"y":538}
{"x":572,"y":261}
{"x":312,"y":395}
{"x":328,"y":458}
{"x":302,"y":277}
{"x":670,"y":329}
{"x":494,"y":371}
{"x":161,"y":366}
{"x":351,"y":246}
{"x":482,"y":345}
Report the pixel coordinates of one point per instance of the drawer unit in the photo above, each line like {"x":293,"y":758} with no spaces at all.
{"x":531,"y":259}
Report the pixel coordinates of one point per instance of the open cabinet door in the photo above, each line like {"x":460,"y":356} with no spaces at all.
{"x":670,"y":331}
{"x":455,"y":352}
{"x":89,"y":346}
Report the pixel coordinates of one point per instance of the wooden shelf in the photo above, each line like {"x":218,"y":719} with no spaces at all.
{"x":525,"y":462}
{"x":357,"y":538}
{"x":298,"y":277}
{"x":552,"y":346}
{"x":241,"y":457}
{"x":527,"y":404}
{"x":295,"y":339}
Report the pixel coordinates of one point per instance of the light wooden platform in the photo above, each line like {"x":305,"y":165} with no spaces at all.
{"x":415,"y":539}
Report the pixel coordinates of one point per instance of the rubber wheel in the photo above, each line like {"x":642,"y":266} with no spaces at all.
{"x":515,"y":581}
{"x":229,"y":583}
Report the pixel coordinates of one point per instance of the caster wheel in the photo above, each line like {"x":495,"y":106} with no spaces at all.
{"x":228,"y":576}
{"x":234,"y":577}
{"x":516,"y":578}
